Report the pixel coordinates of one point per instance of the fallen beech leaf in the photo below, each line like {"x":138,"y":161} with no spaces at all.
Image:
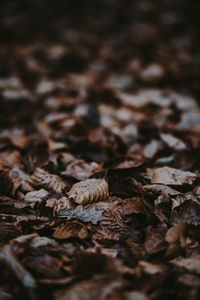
{"x":35,"y":197}
{"x":81,"y":170}
{"x":72,"y":229}
{"x":171,"y":176}
{"x":42,"y":178}
{"x":63,"y":203}
{"x":88,"y":191}
{"x":161,"y":189}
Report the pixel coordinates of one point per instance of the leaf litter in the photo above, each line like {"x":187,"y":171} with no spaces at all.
{"x":99,"y":150}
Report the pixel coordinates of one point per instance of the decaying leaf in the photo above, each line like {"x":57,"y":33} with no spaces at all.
{"x":90,"y":214}
{"x":187,"y":212}
{"x":84,"y":98}
{"x":44,"y":179}
{"x":88,"y":191}
{"x":171,"y":176}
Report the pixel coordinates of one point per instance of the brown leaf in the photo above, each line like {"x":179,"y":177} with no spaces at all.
{"x":46,"y":265}
{"x":60,"y":204}
{"x":88,"y":191}
{"x":173,"y":233}
{"x":133,"y":205}
{"x":71,"y":229}
{"x":97,"y":288}
{"x":161,"y":189}
{"x":155,"y":239}
{"x":44,"y":179}
{"x":187,"y":212}
{"x":81,"y":170}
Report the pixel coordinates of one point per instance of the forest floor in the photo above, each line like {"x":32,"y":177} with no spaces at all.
{"x":102,"y":100}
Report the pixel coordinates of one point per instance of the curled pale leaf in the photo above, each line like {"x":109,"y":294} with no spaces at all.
{"x":190,"y":264}
{"x":35,"y":197}
{"x":50,"y":181}
{"x":89,"y":191}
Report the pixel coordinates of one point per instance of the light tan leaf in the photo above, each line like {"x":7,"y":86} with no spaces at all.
{"x":161,"y":189}
{"x":190,"y":264}
{"x":50,"y":181}
{"x":173,"y":142}
{"x":151,"y":268}
{"x":88,"y":191}
{"x":63,"y":203}
{"x":171,"y":176}
{"x":35,"y":197}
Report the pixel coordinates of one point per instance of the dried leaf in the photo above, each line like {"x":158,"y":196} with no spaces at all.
{"x":161,"y":189}
{"x":72,"y":229}
{"x":155,"y":239}
{"x":151,"y":268}
{"x":32,"y":198}
{"x":173,"y":233}
{"x":187,"y":212}
{"x":63,"y":203}
{"x":81,"y":170}
{"x":190,"y":264}
{"x":44,"y":179}
{"x":98,"y":288}
{"x":88,"y":191}
{"x":171,"y":176}
{"x":91,"y":214}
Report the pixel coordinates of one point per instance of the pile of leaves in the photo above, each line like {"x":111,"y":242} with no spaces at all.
{"x":99,"y":150}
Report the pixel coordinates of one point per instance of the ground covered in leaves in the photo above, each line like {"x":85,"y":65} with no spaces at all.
{"x":105,"y":94}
